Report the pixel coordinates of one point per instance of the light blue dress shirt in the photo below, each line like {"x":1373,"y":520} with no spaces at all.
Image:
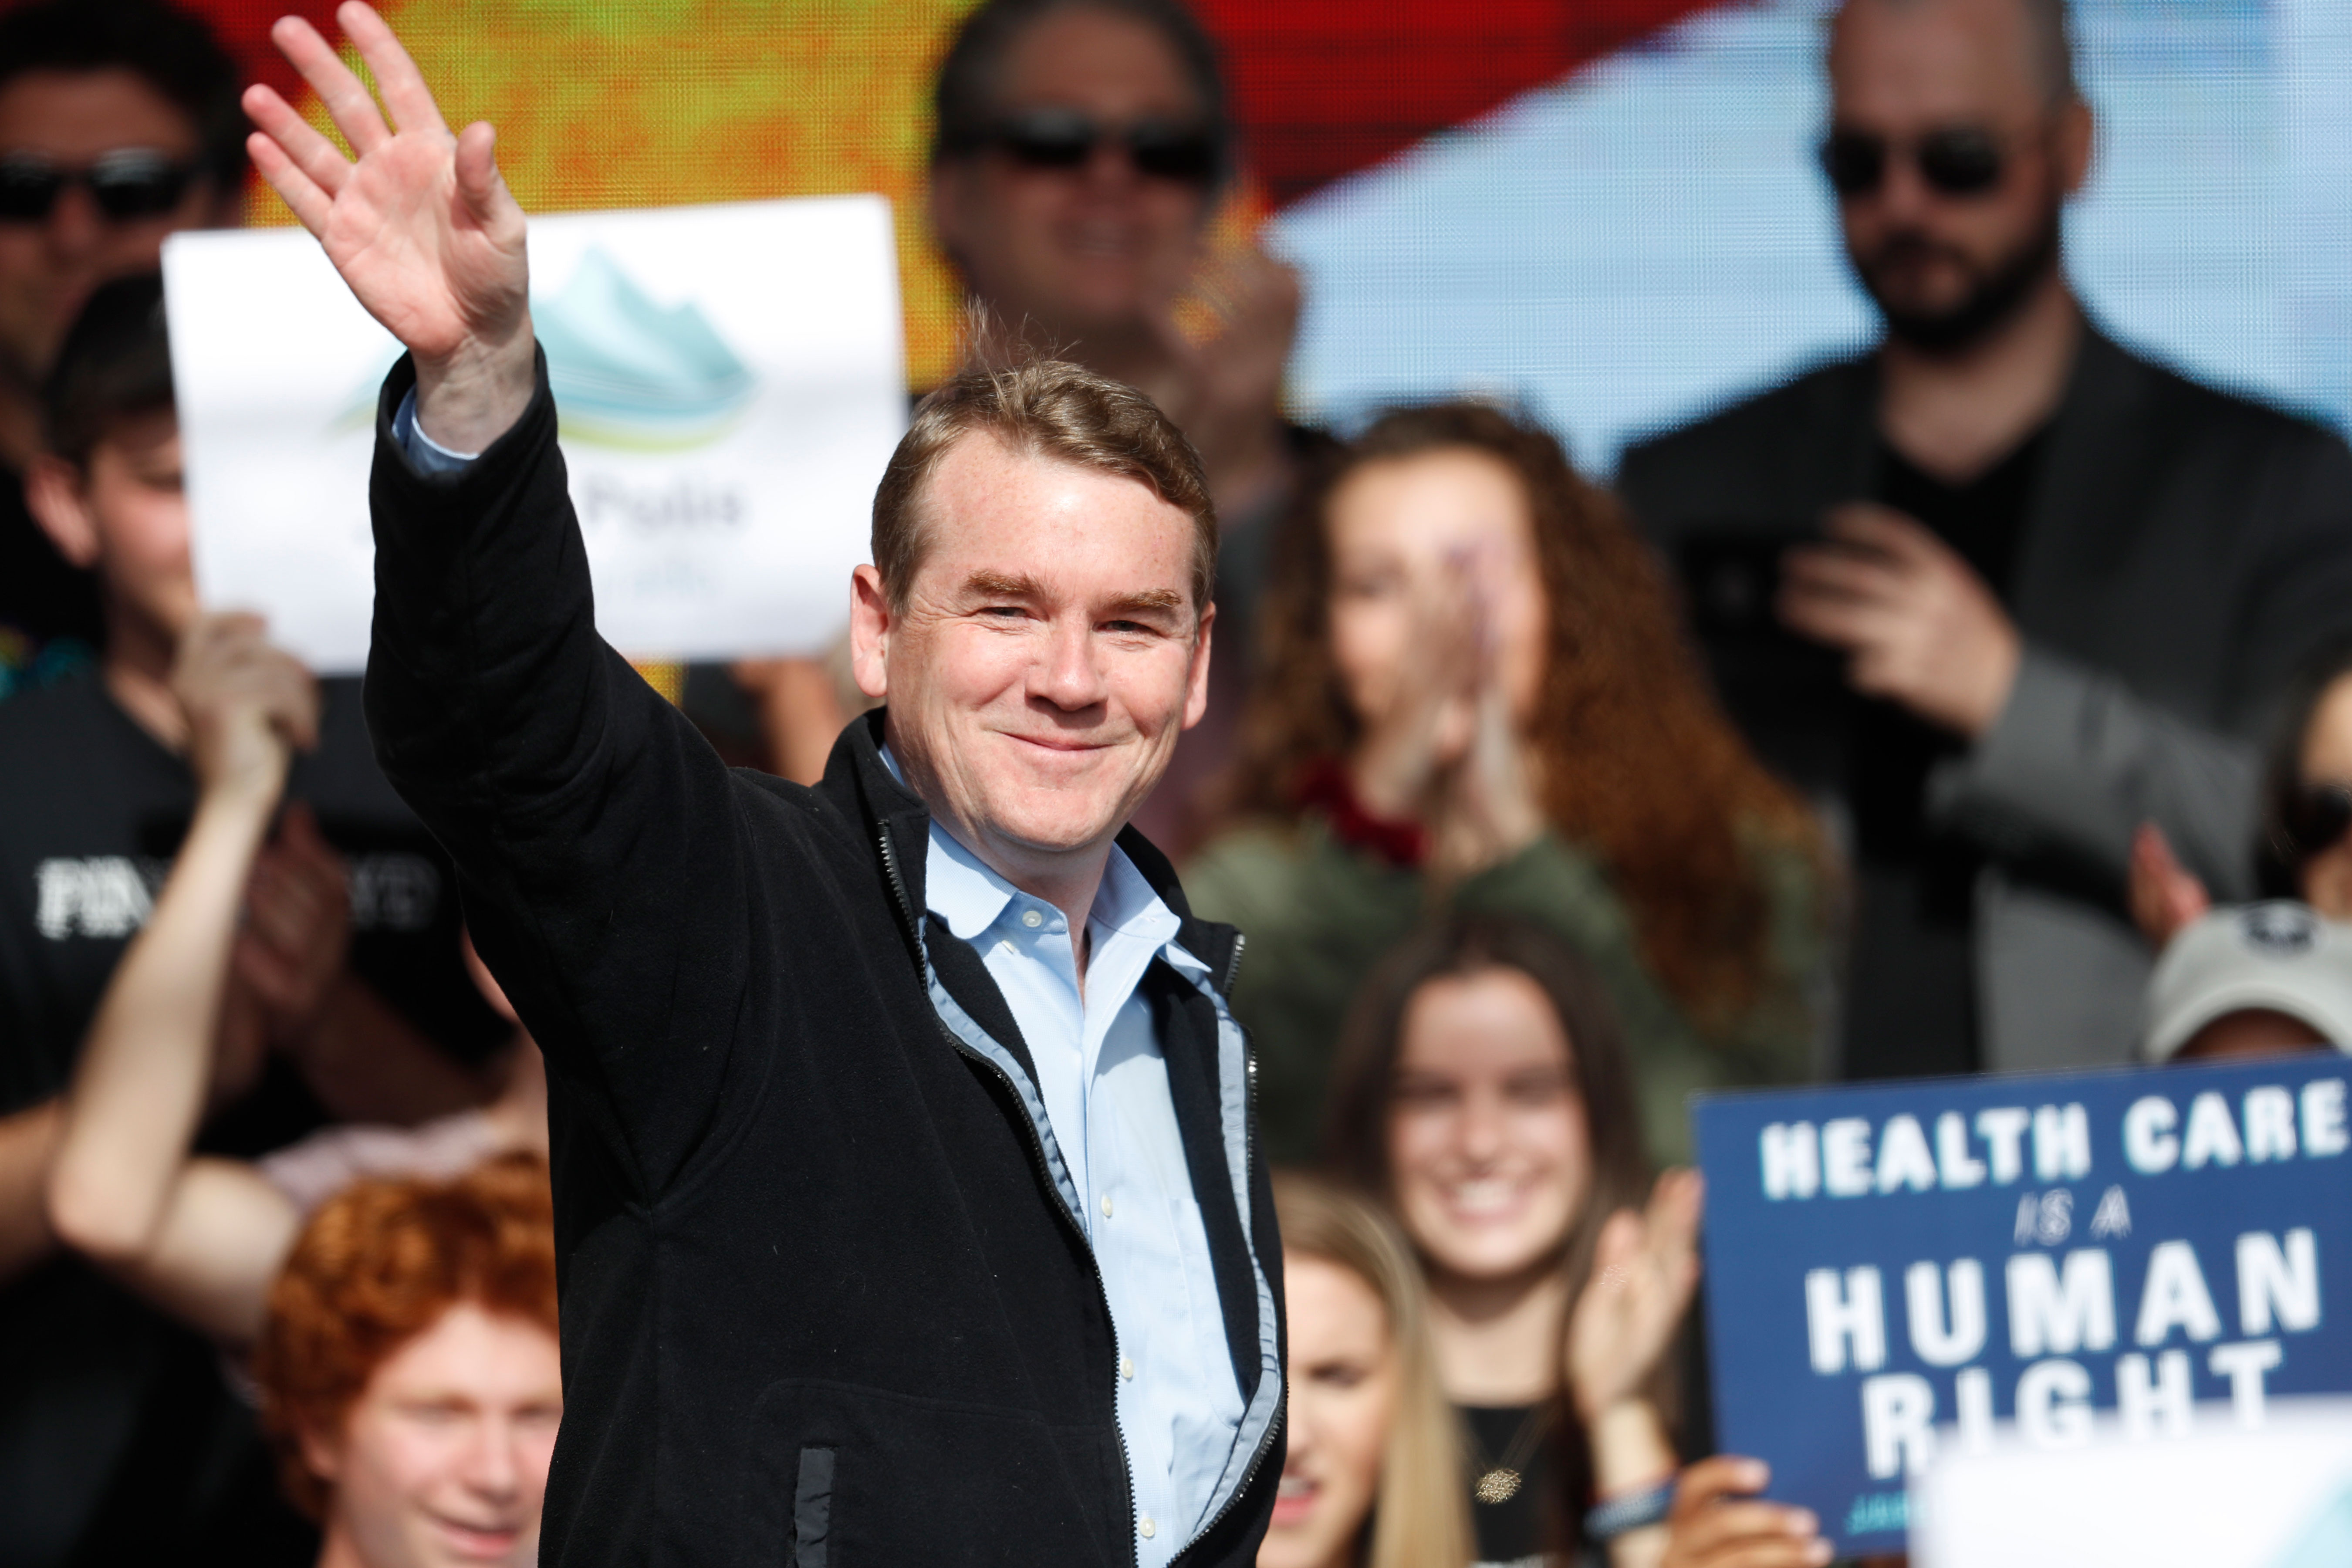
{"x":1111,"y":1137}
{"x":1113,"y":1131}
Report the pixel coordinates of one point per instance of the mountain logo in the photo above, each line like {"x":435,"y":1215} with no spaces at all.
{"x":626,"y":372}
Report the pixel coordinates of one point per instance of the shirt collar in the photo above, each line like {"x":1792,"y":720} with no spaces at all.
{"x":963,"y":891}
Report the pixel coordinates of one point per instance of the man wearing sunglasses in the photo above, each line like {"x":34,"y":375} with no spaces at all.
{"x":2057,"y":581}
{"x":1080,"y":150}
{"x":118,"y":125}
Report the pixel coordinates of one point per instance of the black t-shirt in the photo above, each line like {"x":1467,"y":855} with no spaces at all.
{"x":1913,"y":1007}
{"x":49,"y":624}
{"x":1521,"y":1527}
{"x":115,"y":1426}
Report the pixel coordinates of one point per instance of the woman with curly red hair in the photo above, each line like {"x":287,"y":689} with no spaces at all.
{"x":409,"y":1372}
{"x":1476,"y":695}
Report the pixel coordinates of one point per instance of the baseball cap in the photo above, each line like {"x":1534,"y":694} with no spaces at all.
{"x":2276,"y":957}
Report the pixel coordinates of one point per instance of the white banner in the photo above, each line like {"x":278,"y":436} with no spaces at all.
{"x":730,"y":382}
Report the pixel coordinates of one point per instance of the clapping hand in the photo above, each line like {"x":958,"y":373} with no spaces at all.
{"x":421,"y":226}
{"x":248,"y":706}
{"x":298,"y":920}
{"x":1644,"y":1271}
{"x":1917,"y":624}
{"x":1447,"y":748}
{"x":1224,"y":391}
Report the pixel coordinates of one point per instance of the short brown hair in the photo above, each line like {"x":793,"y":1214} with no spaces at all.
{"x":378,"y":1265}
{"x":1043,"y":408}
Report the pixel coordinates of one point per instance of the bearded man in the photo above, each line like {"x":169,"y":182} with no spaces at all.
{"x":2048,"y":584}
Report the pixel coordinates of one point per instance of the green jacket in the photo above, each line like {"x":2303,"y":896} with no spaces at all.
{"x":1319,"y":916}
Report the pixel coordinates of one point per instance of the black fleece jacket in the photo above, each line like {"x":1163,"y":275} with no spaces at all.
{"x":821,"y":1304}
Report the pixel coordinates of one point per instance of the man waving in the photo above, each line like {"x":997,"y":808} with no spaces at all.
{"x":903,"y":1171}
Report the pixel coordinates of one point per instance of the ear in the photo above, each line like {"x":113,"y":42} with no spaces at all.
{"x":947,"y":201}
{"x":2077,"y":138}
{"x":870,"y":623}
{"x":323,"y":1458}
{"x":1196,"y":683}
{"x":58,"y":494}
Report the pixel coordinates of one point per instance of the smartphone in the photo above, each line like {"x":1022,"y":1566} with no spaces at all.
{"x":1731,"y":578}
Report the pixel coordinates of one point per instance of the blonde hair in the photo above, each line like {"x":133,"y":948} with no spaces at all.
{"x":1420,"y":1520}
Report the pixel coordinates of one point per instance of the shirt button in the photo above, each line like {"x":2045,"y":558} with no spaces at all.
{"x":1106,"y":1205}
{"x":1126,"y":1367}
{"x":1147,"y":1528}
{"x":1032,"y":918}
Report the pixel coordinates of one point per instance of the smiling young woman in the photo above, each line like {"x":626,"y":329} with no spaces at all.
{"x":1369,"y":1478}
{"x":1475,"y":694}
{"x":1482,"y":1093}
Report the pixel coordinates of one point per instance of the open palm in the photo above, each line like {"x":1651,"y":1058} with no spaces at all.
{"x":422,"y":227}
{"x":1644,"y":1271}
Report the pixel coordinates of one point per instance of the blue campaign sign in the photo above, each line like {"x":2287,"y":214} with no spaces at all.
{"x":1897,"y":1267}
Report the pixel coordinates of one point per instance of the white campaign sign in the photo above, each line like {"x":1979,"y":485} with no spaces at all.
{"x":730,"y":382}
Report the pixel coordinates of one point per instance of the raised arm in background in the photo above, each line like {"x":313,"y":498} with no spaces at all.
{"x":29,"y":1139}
{"x":201,"y":1237}
{"x":599,"y":841}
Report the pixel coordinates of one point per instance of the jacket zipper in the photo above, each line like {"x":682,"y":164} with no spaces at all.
{"x":1249,"y":1164}
{"x":1045,"y":1173}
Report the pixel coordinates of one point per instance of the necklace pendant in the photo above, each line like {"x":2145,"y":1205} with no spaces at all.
{"x":1500,"y":1484}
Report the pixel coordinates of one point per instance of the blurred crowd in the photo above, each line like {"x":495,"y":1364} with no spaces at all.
{"x":1980,"y":701}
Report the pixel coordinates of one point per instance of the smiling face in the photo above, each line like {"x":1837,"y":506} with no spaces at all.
{"x":1044,"y":659}
{"x":1405,"y":530}
{"x":1087,"y":253}
{"x":1345,"y":1377}
{"x":442,"y":1458}
{"x":1489,"y":1153}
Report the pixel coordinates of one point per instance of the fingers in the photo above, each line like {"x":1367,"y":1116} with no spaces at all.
{"x":294,"y":140}
{"x":1718,"y":1477}
{"x":1614,"y":1250}
{"x":1866,"y":525}
{"x":310,"y":205}
{"x":1712,"y":1527}
{"x":404,"y":88}
{"x":479,"y":180}
{"x":349,"y":103}
{"x":1829,"y":572}
{"x":2165,"y":896}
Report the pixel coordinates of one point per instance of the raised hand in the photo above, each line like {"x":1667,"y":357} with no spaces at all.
{"x":1428,"y":718}
{"x":2165,"y":895}
{"x":248,"y":706}
{"x":421,"y":226}
{"x":1644,"y":1271}
{"x":1224,"y":391}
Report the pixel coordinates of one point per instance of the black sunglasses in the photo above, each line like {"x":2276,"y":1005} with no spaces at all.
{"x":1958,"y":160}
{"x":1067,"y":139}
{"x":2318,"y":816}
{"x":129,"y":183}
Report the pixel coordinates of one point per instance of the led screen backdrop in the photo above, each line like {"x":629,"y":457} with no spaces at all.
{"x":1606,"y":209}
